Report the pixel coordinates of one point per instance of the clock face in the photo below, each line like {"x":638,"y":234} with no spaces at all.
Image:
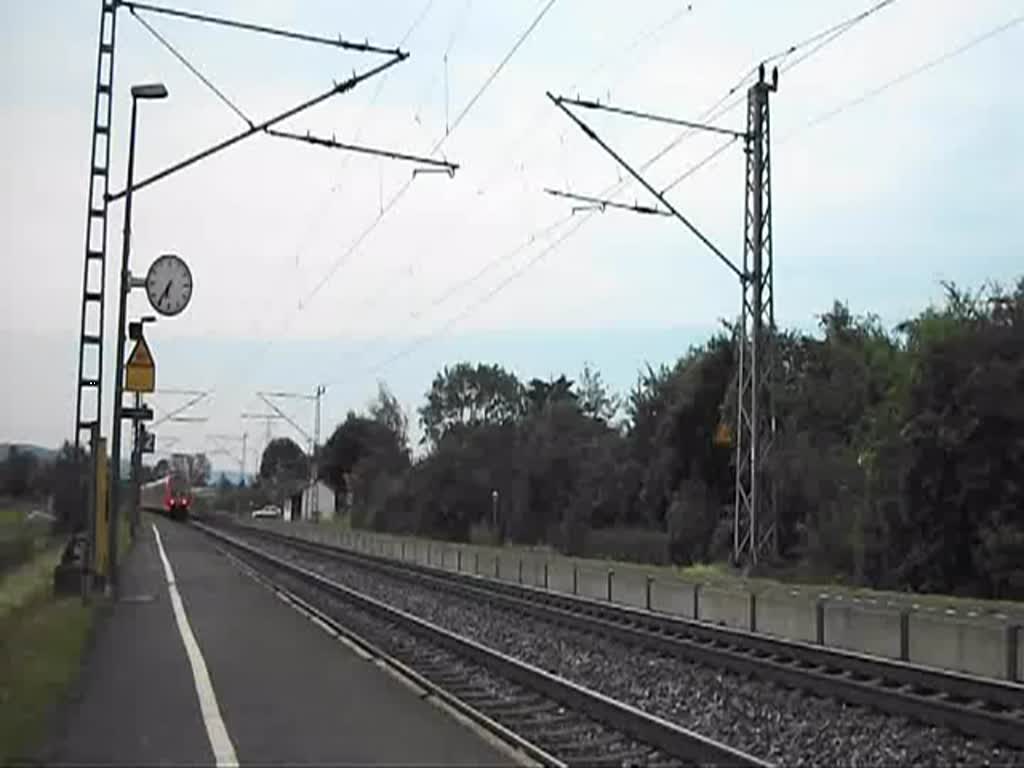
{"x":169,"y":285}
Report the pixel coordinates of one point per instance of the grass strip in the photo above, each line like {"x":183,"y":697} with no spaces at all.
{"x":42,"y":639}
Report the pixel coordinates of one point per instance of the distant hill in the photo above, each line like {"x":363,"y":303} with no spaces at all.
{"x":43,"y":454}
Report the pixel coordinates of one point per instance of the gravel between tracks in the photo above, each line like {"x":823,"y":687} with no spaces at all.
{"x":784,"y":726}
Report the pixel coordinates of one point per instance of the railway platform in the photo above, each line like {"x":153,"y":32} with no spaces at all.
{"x":199,"y":664}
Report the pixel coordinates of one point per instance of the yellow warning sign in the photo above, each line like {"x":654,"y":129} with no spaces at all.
{"x":723,"y":435}
{"x":140,"y":372}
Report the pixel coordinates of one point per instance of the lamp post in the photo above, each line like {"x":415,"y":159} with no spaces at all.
{"x":494,"y":511}
{"x":147,"y":91}
{"x":135,"y":331}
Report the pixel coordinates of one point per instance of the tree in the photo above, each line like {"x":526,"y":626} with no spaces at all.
{"x":195,"y":467}
{"x":283,"y":461}
{"x":467,"y":395}
{"x":540,"y":394}
{"x":595,"y":400}
{"x":962,"y":523}
{"x":387,"y":411}
{"x":69,"y":487}
{"x":224,"y":484}
{"x":200,"y":470}
{"x":19,"y":471}
{"x":897,"y":460}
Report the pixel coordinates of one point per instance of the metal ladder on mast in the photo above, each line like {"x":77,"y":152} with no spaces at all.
{"x":90,"y":344}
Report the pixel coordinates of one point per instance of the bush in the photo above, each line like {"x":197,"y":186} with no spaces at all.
{"x":634,"y":545}
{"x":15,"y":550}
{"x":692,"y":517}
{"x":484,"y":534}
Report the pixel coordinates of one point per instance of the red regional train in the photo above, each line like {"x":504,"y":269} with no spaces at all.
{"x":170,"y":495}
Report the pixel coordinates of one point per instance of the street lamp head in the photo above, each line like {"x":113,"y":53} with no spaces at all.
{"x":149,"y":91}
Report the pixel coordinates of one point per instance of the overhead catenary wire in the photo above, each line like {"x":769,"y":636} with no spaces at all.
{"x":643,"y":37}
{"x":730,"y":100}
{"x":913,"y":72}
{"x":830,"y":32}
{"x":191,"y":68}
{"x":443,"y":74}
{"x":316,"y":221}
{"x":697,"y":166}
{"x":453,"y":289}
{"x":426,"y":338}
{"x":389,"y":206}
{"x":613,"y":188}
{"x":715,"y":111}
{"x":542,"y":114}
{"x":907,"y":75}
{"x":652,"y":160}
{"x":337,"y":42}
{"x":522,"y":269}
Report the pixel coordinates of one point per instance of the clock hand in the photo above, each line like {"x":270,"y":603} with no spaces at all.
{"x":163,"y":295}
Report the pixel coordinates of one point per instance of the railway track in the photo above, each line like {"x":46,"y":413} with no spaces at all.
{"x":547,"y":718}
{"x":981,"y":707}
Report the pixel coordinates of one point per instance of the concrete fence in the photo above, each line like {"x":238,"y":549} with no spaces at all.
{"x":986,"y":645}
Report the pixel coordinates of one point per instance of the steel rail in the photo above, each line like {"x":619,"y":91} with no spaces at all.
{"x":671,"y":739}
{"x":990,"y":708}
{"x":375,"y":652}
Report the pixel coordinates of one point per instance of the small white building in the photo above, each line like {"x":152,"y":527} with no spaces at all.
{"x":314,"y":501}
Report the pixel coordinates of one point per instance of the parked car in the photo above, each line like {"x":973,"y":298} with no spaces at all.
{"x":271,"y":510}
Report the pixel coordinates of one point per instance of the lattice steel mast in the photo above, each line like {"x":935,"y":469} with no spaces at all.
{"x":89,"y":384}
{"x":754,"y":519}
{"x":754,"y":514}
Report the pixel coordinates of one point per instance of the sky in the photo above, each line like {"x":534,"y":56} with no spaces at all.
{"x":314,"y":266}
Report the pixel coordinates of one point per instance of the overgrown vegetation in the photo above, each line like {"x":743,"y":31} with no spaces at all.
{"x":42,"y":639}
{"x":26,"y":481}
{"x":898,"y":462}
{"x":21,"y":535}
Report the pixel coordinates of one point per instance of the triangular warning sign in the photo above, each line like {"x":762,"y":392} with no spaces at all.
{"x":723,"y":435}
{"x":140,"y":356}
{"x":140,"y":372}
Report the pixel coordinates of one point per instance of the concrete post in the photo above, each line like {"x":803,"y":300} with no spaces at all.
{"x":1013,"y":673}
{"x":904,"y":635}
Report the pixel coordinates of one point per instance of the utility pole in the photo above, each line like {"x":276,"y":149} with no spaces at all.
{"x":268,"y":418}
{"x":754,"y":512}
{"x":313,"y":440}
{"x":243,"y":438}
{"x":139,"y":92}
{"x":315,"y":464}
{"x":89,"y":381}
{"x":754,"y":516}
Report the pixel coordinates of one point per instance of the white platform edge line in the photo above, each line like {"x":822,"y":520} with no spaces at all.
{"x":216,"y":731}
